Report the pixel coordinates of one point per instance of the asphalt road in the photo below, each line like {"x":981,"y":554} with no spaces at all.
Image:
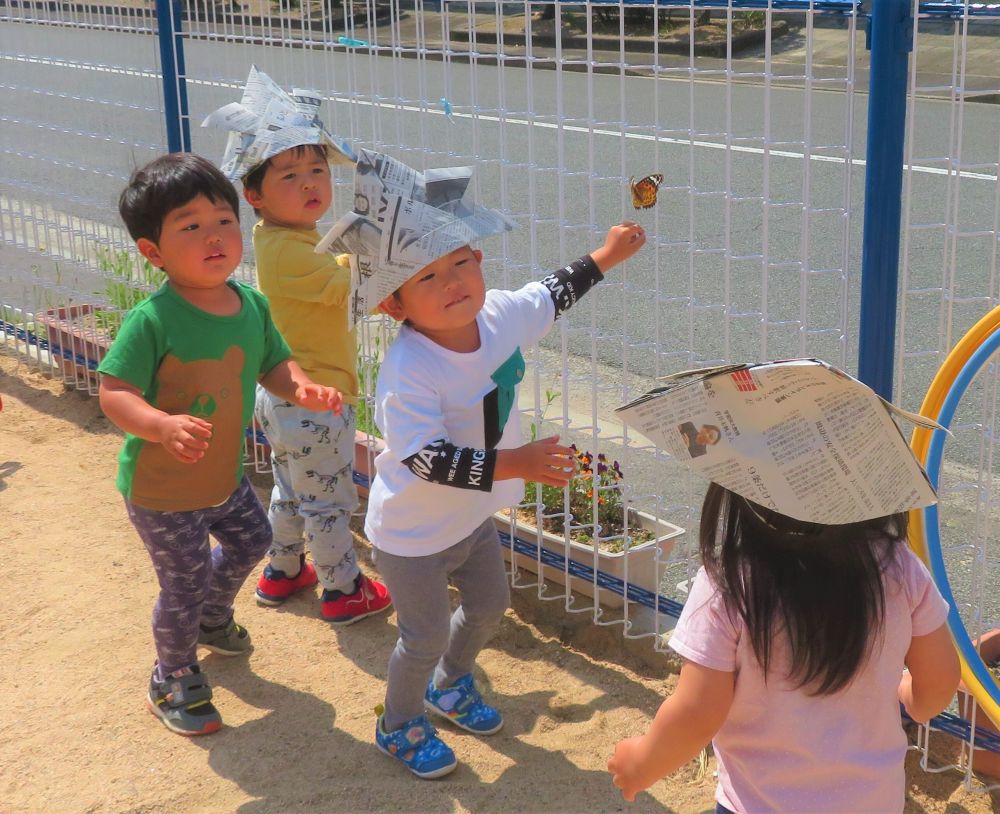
{"x":750,"y":255}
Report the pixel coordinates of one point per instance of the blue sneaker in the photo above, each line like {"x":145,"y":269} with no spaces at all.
{"x":417,"y":745}
{"x":462,"y":704}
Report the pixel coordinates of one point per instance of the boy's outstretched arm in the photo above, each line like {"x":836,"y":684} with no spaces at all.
{"x":185,"y":437}
{"x":568,"y":284}
{"x":683,"y":726}
{"x":288,"y":381}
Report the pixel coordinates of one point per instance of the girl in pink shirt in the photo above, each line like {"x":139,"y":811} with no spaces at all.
{"x":799,"y":642}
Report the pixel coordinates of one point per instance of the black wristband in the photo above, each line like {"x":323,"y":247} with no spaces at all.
{"x":570,"y":283}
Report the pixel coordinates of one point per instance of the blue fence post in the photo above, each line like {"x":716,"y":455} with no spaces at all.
{"x":890,"y":39}
{"x":175,"y":101}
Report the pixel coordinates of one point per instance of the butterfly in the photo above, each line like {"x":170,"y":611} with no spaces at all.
{"x":644,"y":190}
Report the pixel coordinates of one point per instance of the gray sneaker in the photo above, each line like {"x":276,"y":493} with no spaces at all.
{"x":183,"y":701}
{"x":229,"y":639}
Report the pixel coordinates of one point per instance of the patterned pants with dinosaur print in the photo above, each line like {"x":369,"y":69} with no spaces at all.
{"x":312,"y":461}
{"x":198,"y":582}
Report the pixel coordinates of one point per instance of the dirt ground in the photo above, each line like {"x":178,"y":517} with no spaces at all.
{"x":75,"y":600}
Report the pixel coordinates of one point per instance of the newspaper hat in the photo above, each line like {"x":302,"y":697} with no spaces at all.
{"x":800,"y":437}
{"x":403,"y":220}
{"x":267,"y":121}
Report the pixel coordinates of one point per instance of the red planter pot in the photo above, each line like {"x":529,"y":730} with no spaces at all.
{"x":76,"y":343}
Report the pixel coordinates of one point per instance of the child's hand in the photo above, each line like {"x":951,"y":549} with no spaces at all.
{"x":185,"y":437}
{"x":544,"y":461}
{"x":318,"y":397}
{"x":622,"y":242}
{"x":623,"y":766}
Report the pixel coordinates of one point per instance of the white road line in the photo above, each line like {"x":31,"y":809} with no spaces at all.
{"x":710,"y":145}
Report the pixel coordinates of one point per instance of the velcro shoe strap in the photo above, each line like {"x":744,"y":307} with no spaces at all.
{"x":463,"y":697}
{"x":186,"y":690}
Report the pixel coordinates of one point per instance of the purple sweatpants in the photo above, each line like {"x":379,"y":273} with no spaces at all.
{"x":198,"y":583}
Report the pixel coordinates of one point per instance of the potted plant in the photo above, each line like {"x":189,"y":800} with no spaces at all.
{"x":589,"y":518}
{"x":79,"y":335}
{"x":78,"y":339}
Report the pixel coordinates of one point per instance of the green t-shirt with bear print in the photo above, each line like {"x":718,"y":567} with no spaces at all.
{"x":188,"y":361}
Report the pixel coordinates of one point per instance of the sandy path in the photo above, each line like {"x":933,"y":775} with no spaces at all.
{"x":75,"y":598}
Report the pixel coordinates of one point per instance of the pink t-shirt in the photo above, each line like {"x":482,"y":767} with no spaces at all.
{"x":783,"y":750}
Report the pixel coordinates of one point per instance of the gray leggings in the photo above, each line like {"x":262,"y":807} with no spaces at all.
{"x":198,"y":582}
{"x":432,"y":639}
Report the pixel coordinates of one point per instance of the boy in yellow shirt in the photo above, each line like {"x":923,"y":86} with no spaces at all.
{"x":282,"y":153}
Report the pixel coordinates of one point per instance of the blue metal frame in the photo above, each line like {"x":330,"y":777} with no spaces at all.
{"x":950,"y":9}
{"x":10,"y":329}
{"x":840,"y":6}
{"x":957,"y":10}
{"x":174,"y":75}
{"x":559,"y":562}
{"x":890,"y":39}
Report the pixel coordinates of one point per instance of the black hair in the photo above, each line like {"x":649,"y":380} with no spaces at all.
{"x":820,"y":586}
{"x":254,"y":179}
{"x":169,"y":182}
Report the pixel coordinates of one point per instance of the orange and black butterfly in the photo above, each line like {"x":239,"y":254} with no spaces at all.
{"x":644,"y":190}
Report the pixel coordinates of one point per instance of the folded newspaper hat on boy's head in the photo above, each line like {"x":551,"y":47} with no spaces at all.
{"x":268,"y":121}
{"x":800,"y":437}
{"x":402,"y":221}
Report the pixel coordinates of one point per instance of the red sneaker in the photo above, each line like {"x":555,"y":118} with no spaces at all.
{"x":274,"y":587}
{"x":369,"y":597}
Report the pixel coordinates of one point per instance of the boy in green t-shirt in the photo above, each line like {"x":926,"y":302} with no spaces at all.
{"x":180,"y":380}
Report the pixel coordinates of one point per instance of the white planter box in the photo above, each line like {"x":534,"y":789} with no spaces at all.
{"x":640,"y":559}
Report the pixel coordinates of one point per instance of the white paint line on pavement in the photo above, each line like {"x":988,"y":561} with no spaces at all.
{"x":568,"y":128}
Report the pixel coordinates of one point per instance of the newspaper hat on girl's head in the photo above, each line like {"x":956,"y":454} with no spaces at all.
{"x":800,"y":437}
{"x":403,"y":220}
{"x":268,"y":121}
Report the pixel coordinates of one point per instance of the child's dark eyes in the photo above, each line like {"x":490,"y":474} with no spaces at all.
{"x":425,"y":278}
